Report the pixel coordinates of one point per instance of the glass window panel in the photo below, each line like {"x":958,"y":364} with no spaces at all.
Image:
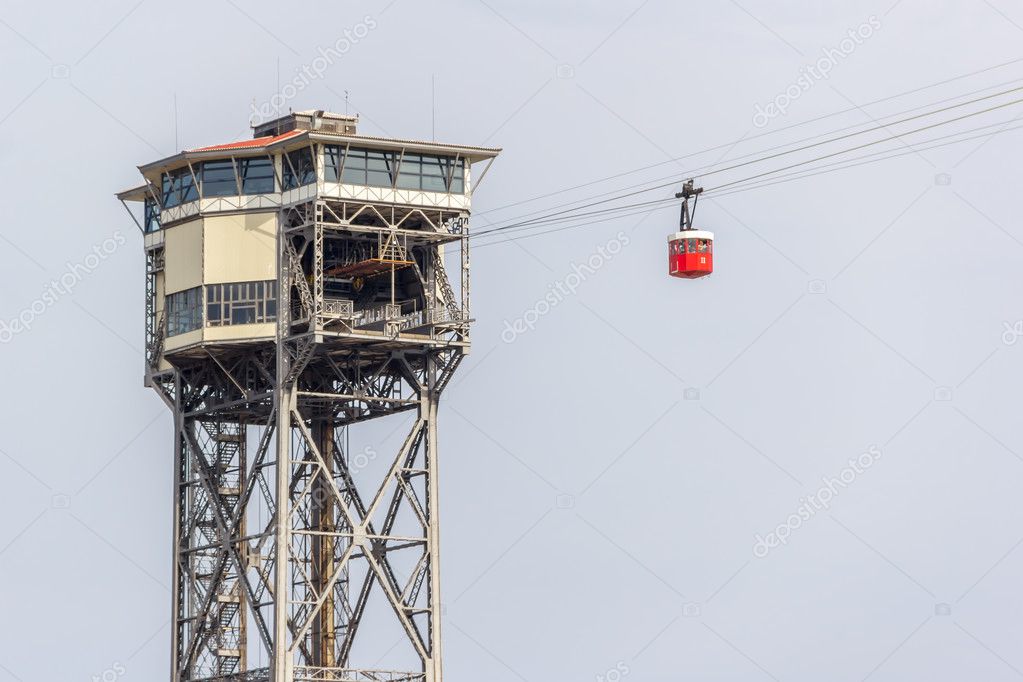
{"x":243,"y":314}
{"x":189,"y":192}
{"x":169,"y":200}
{"x":380,"y":168}
{"x":354,"y":176}
{"x":458,"y":178}
{"x":151,"y":214}
{"x":378,"y":178}
{"x":411,"y":163}
{"x":355,"y":167}
{"x":433,"y":183}
{"x":242,"y":303}
{"x":300,"y":171}
{"x":332,"y":162}
{"x":257,"y":175}
{"x":380,"y":161}
{"x":218,"y":179}
{"x":183,"y":311}
{"x":408,"y":180}
{"x":409,"y":172}
{"x":434,"y":165}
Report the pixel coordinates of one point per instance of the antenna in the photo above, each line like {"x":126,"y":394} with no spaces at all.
{"x":433,"y":107}
{"x":177,"y":147}
{"x":346,"y":102}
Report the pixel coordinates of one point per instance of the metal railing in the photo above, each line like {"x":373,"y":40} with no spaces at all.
{"x":341,"y":308}
{"x":309,"y":674}
{"x":384,"y":313}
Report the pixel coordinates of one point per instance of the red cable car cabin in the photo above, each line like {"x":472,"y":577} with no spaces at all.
{"x":691,"y":254}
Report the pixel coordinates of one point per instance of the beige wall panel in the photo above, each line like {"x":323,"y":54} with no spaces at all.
{"x":235,"y":332}
{"x":183,"y":250}
{"x":241,"y":248}
{"x":172,"y":343}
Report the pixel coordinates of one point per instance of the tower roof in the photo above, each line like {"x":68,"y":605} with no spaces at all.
{"x":302,"y":127}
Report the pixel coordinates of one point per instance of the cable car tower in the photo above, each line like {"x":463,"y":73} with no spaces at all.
{"x":296,"y":289}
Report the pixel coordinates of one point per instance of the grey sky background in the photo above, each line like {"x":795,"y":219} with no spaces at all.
{"x":598,"y":517}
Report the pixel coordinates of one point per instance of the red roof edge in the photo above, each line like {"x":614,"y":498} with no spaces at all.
{"x":248,"y":144}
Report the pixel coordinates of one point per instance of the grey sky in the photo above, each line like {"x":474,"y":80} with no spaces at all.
{"x":597,"y":516}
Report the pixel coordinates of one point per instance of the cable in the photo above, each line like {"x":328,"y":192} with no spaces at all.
{"x":828,"y":168}
{"x":574,"y":216}
{"x":778,"y":130}
{"x":843,"y":165}
{"x":870,"y":144}
{"x":610,"y":214}
{"x":796,"y":150}
{"x":560,"y":229}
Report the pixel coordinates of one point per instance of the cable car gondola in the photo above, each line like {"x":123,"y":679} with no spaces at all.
{"x":690,"y":251}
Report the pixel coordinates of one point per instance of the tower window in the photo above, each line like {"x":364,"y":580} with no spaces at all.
{"x":151,"y":215}
{"x":379,"y":169}
{"x":184,"y":311}
{"x":241,"y":303}
{"x":298,"y":168}
{"x":218,"y":178}
{"x":178,"y":188}
{"x":257,"y":175}
{"x":332,"y":154}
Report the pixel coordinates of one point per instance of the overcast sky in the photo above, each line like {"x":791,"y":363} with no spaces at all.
{"x":634,"y":486}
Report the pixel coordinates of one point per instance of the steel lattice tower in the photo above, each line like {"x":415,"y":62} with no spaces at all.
{"x":296,"y":289}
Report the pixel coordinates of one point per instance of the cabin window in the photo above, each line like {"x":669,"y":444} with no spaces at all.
{"x":457,"y":173}
{"x":410,"y":173}
{"x":218,"y":178}
{"x":431,"y":173}
{"x":151,"y":215}
{"x":241,"y":303}
{"x":178,"y":187}
{"x":380,"y":167}
{"x":369,"y":167}
{"x":355,"y":167}
{"x":377,"y":168}
{"x":257,"y":175}
{"x":184,"y":311}
{"x":298,"y":168}
{"x":332,"y":154}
